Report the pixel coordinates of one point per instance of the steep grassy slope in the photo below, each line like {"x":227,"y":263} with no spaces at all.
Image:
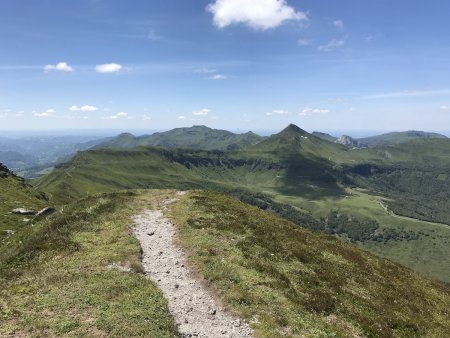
{"x":15,"y":193}
{"x":78,"y":274}
{"x":108,"y":170}
{"x":325,"y":136}
{"x":196,"y":137}
{"x":398,"y":137}
{"x":292,"y":282}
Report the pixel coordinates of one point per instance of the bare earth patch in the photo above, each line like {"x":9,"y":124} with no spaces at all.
{"x":194,"y":308}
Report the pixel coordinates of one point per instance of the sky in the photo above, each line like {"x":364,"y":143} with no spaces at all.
{"x":230,"y":64}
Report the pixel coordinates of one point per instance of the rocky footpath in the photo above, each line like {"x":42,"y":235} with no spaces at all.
{"x":194,"y":308}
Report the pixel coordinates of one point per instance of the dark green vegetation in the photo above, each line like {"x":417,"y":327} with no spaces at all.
{"x":394,"y":138}
{"x":196,"y":137}
{"x":309,"y":177}
{"x":78,"y":274}
{"x":15,"y":193}
{"x":293,"y":282}
{"x":416,"y":179}
{"x":325,"y":136}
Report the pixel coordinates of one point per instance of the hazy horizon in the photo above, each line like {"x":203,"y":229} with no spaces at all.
{"x":96,"y":133}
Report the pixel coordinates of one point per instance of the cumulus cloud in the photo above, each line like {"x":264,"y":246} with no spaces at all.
{"x":445,"y":108}
{"x":181,"y":117}
{"x":86,"y":108}
{"x":278,"y":112}
{"x":218,"y":77}
{"x":60,"y":67}
{"x":119,"y":115}
{"x":331,"y":45}
{"x":257,"y":14}
{"x":313,"y":111}
{"x":108,"y":68}
{"x":338,"y":24}
{"x":201,"y":112}
{"x":47,"y":113}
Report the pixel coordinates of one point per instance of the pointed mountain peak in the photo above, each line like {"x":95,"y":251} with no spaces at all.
{"x":293,"y":129}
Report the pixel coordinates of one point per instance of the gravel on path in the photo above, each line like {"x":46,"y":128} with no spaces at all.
{"x":196,"y":312}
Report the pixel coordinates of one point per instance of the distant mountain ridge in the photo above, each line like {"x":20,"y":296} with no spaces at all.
{"x":394,"y":138}
{"x":195,"y":137}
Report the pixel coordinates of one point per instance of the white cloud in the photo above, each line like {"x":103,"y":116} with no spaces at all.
{"x":338,"y":24}
{"x":20,"y":113}
{"x":145,"y":117}
{"x":445,"y":108}
{"x":108,"y":68}
{"x":304,"y":42}
{"x":47,"y":113}
{"x":3,"y":115}
{"x":331,"y":45}
{"x":60,"y":67}
{"x":201,"y":112}
{"x":313,"y":111}
{"x":86,"y":108}
{"x":182,"y":117}
{"x":258,"y":14}
{"x":218,"y":77}
{"x":119,"y":115}
{"x":278,"y":112}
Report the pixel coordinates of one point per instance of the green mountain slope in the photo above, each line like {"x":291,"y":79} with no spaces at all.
{"x":398,"y":137}
{"x":293,"y":282}
{"x":15,"y":193}
{"x":317,"y":179}
{"x":324,"y":136}
{"x":196,"y":137}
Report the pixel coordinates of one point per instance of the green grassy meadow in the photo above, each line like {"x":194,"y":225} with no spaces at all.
{"x":78,"y":274}
{"x":291,"y":282}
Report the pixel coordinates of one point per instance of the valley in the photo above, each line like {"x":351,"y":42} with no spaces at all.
{"x":297,"y":169}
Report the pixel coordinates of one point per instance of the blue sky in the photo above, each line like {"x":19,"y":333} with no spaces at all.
{"x":232,"y":64}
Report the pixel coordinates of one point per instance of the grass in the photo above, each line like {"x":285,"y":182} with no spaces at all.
{"x":16,"y":194}
{"x":291,"y":282}
{"x":63,"y":278}
{"x":427,"y":255}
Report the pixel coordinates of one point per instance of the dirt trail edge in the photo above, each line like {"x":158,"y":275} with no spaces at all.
{"x":196,"y":312}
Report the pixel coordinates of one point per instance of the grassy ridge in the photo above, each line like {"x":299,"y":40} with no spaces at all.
{"x":293,"y":282}
{"x":78,"y":274}
{"x":196,"y":137}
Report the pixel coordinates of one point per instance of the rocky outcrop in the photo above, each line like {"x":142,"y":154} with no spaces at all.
{"x":23,"y":211}
{"x":350,"y":142}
